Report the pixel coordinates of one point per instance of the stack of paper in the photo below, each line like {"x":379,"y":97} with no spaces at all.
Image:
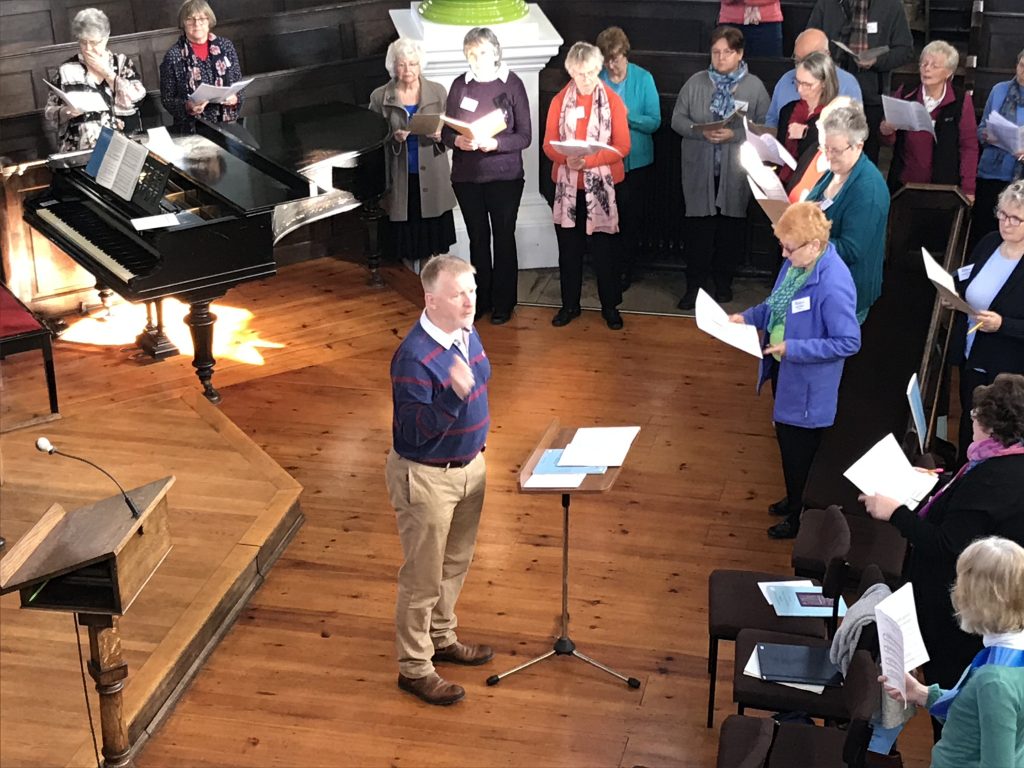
{"x":900,"y":643}
{"x":549,"y":474}
{"x":217,"y":94}
{"x":714,"y":321}
{"x":580,"y":148}
{"x":885,"y":471}
{"x":83,"y":101}
{"x":907,"y":115}
{"x":598,"y":447}
{"x":768,"y":148}
{"x":485,"y":127}
{"x":943,"y":282}
{"x":1005,"y":134}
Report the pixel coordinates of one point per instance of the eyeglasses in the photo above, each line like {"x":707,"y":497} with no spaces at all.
{"x":197,"y":20}
{"x":805,"y":84}
{"x":723,"y":53}
{"x":835,"y":151}
{"x":1013,"y":221}
{"x":791,"y":251}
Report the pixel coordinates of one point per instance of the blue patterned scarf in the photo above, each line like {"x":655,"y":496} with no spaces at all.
{"x":722,"y":102}
{"x":995,"y":654}
{"x":1008,"y":109}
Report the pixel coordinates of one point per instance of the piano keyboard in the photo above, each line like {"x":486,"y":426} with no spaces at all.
{"x":114,"y":250}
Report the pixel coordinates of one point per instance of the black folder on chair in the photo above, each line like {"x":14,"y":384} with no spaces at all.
{"x":797,"y":664}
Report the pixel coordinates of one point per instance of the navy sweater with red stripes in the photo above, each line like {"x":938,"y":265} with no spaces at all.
{"x":431,"y":423}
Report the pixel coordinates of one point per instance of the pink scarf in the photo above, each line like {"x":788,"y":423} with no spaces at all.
{"x":977,"y":452}
{"x":602,"y":213}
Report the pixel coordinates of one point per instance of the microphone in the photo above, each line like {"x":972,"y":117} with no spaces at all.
{"x":43,"y":445}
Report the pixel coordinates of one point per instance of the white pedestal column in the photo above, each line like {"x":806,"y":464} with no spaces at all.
{"x":526,"y":47}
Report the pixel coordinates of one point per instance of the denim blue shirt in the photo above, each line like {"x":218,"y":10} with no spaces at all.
{"x":643,"y":109}
{"x":786,"y":92}
{"x":996,"y":163}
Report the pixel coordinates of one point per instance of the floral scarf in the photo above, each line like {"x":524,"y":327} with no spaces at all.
{"x":722,"y":102}
{"x":220,"y":68}
{"x":1008,"y":109}
{"x":602,"y":213}
{"x":977,"y":452}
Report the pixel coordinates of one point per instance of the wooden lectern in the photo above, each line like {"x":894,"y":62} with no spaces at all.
{"x":94,"y":561}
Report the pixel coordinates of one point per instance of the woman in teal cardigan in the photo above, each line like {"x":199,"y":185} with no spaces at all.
{"x":635,"y":86}
{"x":855,"y":198}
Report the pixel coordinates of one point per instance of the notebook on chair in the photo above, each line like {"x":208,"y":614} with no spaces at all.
{"x":797,"y":664}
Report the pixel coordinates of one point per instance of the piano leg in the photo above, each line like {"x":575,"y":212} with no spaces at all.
{"x":200,"y":322}
{"x":153,"y":341}
{"x":373,"y":217}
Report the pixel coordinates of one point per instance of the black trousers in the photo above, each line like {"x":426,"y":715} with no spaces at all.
{"x":798,"y":446}
{"x":631,"y":199}
{"x":490,"y":209}
{"x":983,"y":220}
{"x":713,"y":247}
{"x":875,"y":114}
{"x":572,"y":243}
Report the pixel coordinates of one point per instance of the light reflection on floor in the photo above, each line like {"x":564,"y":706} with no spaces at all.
{"x":232,"y":337}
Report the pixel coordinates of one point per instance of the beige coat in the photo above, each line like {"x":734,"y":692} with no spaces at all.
{"x":436,"y":195}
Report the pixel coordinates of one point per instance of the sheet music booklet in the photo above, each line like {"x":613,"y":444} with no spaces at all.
{"x":116,"y":163}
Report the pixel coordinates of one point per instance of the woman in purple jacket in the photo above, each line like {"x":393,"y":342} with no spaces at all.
{"x":487,"y":171}
{"x":810,"y":327}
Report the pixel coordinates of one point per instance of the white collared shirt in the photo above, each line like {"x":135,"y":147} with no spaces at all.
{"x":929,"y":103}
{"x":460,"y":338}
{"x":502,"y":74}
{"x":1006,"y":640}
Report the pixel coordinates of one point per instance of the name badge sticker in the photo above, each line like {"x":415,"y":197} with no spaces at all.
{"x":964,"y":272}
{"x":825,"y":204}
{"x":801,"y":304}
{"x":742,"y":106}
{"x":579,"y":113}
{"x":468,"y":104}
{"x":872,"y":27}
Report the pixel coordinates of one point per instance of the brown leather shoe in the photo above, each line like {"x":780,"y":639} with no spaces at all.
{"x":470,"y":655}
{"x":433,"y":689}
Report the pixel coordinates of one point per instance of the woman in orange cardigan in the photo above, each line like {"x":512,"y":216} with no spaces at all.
{"x":586,"y":217}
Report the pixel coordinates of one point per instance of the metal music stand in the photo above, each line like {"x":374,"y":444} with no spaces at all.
{"x":554,"y":437}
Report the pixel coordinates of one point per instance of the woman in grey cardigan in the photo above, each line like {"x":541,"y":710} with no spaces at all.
{"x":715,"y":188}
{"x":420,"y":199}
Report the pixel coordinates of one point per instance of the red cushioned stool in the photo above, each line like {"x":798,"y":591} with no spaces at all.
{"x":20,"y":331}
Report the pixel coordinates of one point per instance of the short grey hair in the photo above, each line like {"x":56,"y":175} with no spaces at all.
{"x":849,"y":121}
{"x":90,"y":24}
{"x":404,"y":49}
{"x":1013,"y":194}
{"x":581,"y":54}
{"x":942,"y":48}
{"x":443,"y":263}
{"x":480,"y":35}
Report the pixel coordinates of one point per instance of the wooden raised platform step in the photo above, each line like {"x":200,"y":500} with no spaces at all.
{"x":231,"y":513}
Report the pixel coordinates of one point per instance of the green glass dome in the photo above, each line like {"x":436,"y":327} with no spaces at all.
{"x":474,"y":12}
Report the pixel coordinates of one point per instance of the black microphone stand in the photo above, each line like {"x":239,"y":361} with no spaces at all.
{"x":127,"y":498}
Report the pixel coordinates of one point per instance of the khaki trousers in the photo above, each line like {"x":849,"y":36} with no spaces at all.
{"x":438,"y":512}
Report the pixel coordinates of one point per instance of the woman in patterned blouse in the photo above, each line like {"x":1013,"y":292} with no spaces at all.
{"x":94,"y":69}
{"x":199,"y":56}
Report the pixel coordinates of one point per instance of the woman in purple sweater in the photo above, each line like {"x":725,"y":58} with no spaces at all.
{"x":487,"y":170}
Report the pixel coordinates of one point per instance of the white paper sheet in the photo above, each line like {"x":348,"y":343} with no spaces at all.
{"x":772,"y":208}
{"x":554,"y":481}
{"x":714,"y":321}
{"x":119,"y":171}
{"x":763,"y":586}
{"x":768,"y":147}
{"x":753,"y":669}
{"x":867,"y":55}
{"x":578,"y":148}
{"x":761,"y":174}
{"x":944,"y":284}
{"x":1005,"y":134}
{"x":907,"y":115}
{"x":155,"y":222}
{"x":598,"y":447}
{"x":216,"y":94}
{"x":884,"y":470}
{"x":917,"y":410}
{"x":83,"y":101}
{"x":899,"y":637}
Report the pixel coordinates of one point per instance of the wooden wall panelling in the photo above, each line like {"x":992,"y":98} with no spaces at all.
{"x":26,"y":24}
{"x":120,"y":13}
{"x":1002,"y":38}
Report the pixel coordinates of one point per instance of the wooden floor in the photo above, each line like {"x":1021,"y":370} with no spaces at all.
{"x":307,"y":675}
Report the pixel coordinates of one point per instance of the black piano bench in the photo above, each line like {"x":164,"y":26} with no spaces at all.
{"x":21,"y":331}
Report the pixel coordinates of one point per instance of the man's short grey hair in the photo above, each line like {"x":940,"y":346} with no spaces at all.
{"x":1013,"y":194}
{"x":443,"y":263}
{"x":404,"y":49}
{"x":848,"y":121}
{"x":90,"y":24}
{"x":943,"y":49}
{"x":581,"y":55}
{"x":479,"y":35}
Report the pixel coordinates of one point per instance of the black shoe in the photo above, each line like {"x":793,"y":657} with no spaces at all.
{"x":780,"y":507}
{"x":689,"y":300}
{"x":500,"y":318}
{"x":481,"y":312}
{"x":723,"y":295}
{"x":565,"y":316}
{"x":787,"y":529}
{"x":613,"y":318}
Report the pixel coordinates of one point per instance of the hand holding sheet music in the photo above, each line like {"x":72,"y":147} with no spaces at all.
{"x":768,"y":147}
{"x":82,"y":101}
{"x":943,"y":282}
{"x":885,"y":471}
{"x":714,"y":321}
{"x":862,"y":58}
{"x":217,"y":94}
{"x":1004,"y":134}
{"x":907,"y":115}
{"x":901,"y":647}
{"x":580,"y":148}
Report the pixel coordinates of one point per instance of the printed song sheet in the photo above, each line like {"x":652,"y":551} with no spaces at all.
{"x":899,"y":637}
{"x":884,"y":470}
{"x":714,"y":321}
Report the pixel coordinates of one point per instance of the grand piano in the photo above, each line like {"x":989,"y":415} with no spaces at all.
{"x":235,"y":190}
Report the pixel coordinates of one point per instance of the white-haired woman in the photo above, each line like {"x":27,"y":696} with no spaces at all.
{"x":984,"y":712}
{"x":97,"y":70}
{"x":853,"y":195}
{"x":198,"y":57}
{"x":584,"y":206}
{"x":420,"y":200}
{"x":951,"y":155}
{"x":997,"y":167}
{"x":487,"y":171}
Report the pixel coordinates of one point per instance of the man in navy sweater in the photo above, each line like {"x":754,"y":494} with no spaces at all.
{"x":436,"y":475}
